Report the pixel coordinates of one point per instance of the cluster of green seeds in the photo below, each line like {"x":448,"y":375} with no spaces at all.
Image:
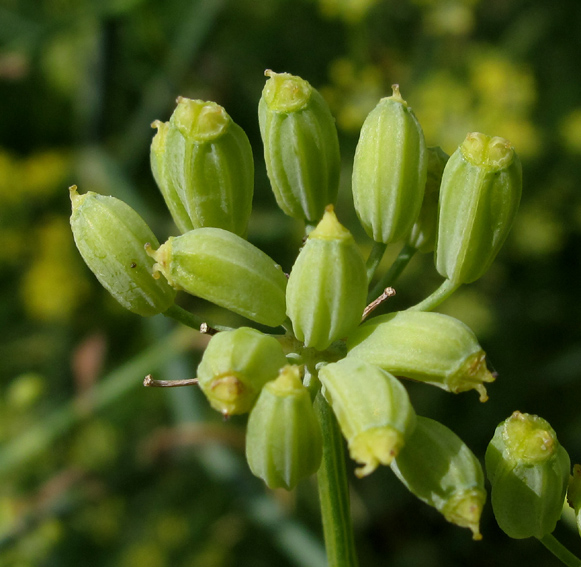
{"x":461,"y":208}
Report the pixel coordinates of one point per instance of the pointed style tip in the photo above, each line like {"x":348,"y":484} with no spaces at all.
{"x":329,"y":227}
{"x":74,"y":195}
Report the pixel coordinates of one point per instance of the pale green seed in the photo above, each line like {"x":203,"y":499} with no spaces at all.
{"x":221,"y":267}
{"x":111,"y":236}
{"x":373,"y":410}
{"x":479,"y":197}
{"x":283,"y":437}
{"x":389,"y":170}
{"x":529,"y":473}
{"x":327,"y":286}
{"x":427,"y":347}
{"x":439,"y":468}
{"x":236,"y":365}
{"x":301,"y":146}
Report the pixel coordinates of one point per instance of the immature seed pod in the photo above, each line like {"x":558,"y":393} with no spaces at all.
{"x":423,"y":234}
{"x":223,"y":268}
{"x":202,"y":162}
{"x":283,"y":437}
{"x":389,"y":170}
{"x":236,"y":365}
{"x":479,"y":198}
{"x":424,"y":346}
{"x":110,"y":236}
{"x":301,"y":147}
{"x":574,"y":494}
{"x":439,"y":468}
{"x":373,"y":410}
{"x":327,"y":286}
{"x":529,"y":471}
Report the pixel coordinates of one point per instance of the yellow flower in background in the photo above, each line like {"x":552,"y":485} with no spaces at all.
{"x":54,"y":284}
{"x":353,"y":92}
{"x":352,"y":11}
{"x":44,"y":173}
{"x":571,"y":131}
{"x":499,"y":97}
{"x":41,"y":174}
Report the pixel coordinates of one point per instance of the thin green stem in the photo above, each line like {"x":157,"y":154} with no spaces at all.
{"x":334,"y":492}
{"x":374,"y":259}
{"x":193,"y":321}
{"x":441,"y":294}
{"x":560,"y":551}
{"x":402,"y":260}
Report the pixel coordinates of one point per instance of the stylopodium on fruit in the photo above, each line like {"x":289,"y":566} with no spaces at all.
{"x":221,"y":267}
{"x":440,"y":469}
{"x":235,"y":367}
{"x":283,"y":438}
{"x":327,"y":286}
{"x":389,"y":170}
{"x":529,"y":472}
{"x":479,"y":197}
{"x":427,"y":347}
{"x":373,"y":410}
{"x":110,"y":236}
{"x":301,"y":147}
{"x":203,"y":165}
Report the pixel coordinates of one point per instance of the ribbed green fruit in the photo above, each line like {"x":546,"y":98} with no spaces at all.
{"x":440,"y":469}
{"x":479,"y":198}
{"x":529,"y":472}
{"x":203,"y":165}
{"x":373,"y":410}
{"x":389,"y":170}
{"x":223,"y":268}
{"x":283,"y":437}
{"x":423,"y":234}
{"x":236,"y":365}
{"x":327,"y":286}
{"x":301,"y":147}
{"x":427,"y":347}
{"x":110,"y":236}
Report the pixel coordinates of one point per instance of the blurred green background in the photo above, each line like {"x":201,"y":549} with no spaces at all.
{"x":95,"y":469}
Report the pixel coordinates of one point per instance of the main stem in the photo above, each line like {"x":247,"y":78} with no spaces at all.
{"x":334,"y":491}
{"x":560,"y":551}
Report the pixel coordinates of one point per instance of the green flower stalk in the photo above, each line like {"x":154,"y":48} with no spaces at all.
{"x":479,"y":198}
{"x":423,"y":234}
{"x":236,"y":365}
{"x":301,"y":147}
{"x":427,"y":347}
{"x":373,"y":410}
{"x":203,"y":165}
{"x":327,"y":286}
{"x":110,"y":236}
{"x":574,"y":494}
{"x":283,"y":437}
{"x":223,"y":268}
{"x":529,"y":472}
{"x":389,"y":170}
{"x":439,"y":468}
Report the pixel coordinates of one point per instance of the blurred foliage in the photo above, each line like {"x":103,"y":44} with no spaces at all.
{"x":96,"y":470}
